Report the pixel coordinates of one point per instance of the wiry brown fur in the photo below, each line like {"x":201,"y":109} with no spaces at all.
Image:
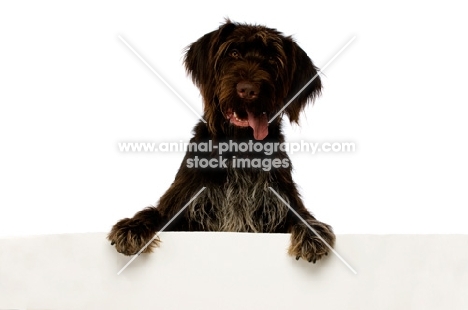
{"x":238,"y":199}
{"x":237,"y":204}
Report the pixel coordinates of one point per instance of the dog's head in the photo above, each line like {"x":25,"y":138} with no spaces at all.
{"x":248,"y":73}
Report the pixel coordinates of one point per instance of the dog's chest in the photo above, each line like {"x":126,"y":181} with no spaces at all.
{"x":244,"y":203}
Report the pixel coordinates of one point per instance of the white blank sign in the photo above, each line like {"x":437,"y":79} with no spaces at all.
{"x":234,"y":271}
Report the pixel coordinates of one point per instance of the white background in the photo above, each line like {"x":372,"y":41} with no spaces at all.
{"x":70,"y":90}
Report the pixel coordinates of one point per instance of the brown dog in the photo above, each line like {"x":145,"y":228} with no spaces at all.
{"x":246,"y":75}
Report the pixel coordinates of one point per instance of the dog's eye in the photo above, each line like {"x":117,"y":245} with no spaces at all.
{"x":234,"y":54}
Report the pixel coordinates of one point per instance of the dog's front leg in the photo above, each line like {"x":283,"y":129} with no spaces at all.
{"x":310,"y":238}
{"x":312,"y":241}
{"x":130,"y":235}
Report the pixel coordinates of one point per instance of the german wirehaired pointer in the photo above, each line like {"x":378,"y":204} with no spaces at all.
{"x":246,"y":74}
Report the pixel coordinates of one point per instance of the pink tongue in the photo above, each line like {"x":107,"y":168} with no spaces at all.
{"x":259,"y":125}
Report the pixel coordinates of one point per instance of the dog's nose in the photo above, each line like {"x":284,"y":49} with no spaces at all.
{"x":247,"y":90}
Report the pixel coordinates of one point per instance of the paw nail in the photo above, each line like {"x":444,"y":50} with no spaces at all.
{"x":112,"y":243}
{"x":297,"y":257}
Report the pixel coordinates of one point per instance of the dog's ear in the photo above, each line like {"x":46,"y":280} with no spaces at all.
{"x":200,"y":56}
{"x":302,"y":70}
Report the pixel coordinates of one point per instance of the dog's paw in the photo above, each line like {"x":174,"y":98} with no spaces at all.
{"x":130,"y":235}
{"x":307,"y":245}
